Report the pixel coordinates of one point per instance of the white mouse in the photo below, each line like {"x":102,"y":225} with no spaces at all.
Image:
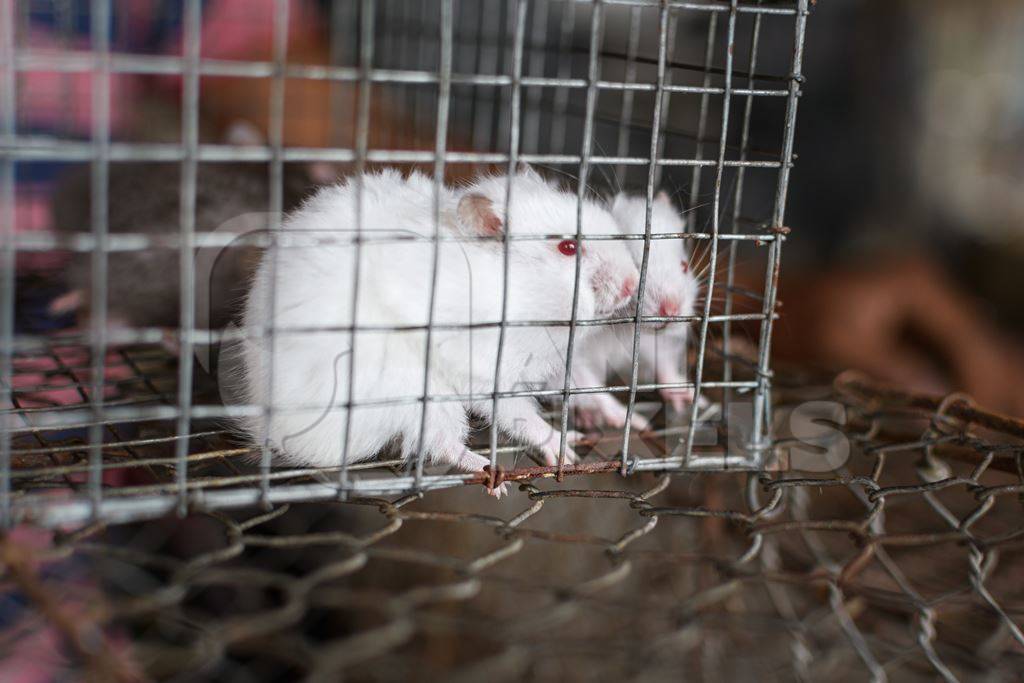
{"x":670,"y":290}
{"x":308,"y":370}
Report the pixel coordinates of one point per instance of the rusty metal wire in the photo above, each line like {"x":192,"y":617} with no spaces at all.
{"x":901,"y":561}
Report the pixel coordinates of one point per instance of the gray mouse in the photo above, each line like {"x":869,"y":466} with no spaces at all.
{"x":143,"y":287}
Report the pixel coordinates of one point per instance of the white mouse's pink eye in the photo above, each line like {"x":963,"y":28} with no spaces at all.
{"x":568,"y":247}
{"x":686,"y":266}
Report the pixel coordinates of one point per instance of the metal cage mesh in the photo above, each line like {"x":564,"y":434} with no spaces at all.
{"x":149,"y":543}
{"x":582,"y":88}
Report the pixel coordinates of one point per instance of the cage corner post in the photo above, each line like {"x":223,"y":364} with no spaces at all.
{"x":761,"y":431}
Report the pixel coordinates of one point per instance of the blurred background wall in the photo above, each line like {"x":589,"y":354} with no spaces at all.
{"x":911,"y":136}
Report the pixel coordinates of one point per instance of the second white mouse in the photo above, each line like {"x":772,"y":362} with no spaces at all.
{"x":670,"y":291}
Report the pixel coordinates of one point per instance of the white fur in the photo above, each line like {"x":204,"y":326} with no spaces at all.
{"x":607,"y":354}
{"x":309,"y":369}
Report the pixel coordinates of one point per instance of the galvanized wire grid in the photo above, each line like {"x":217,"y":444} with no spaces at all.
{"x":903,"y":563}
{"x":518,"y":87}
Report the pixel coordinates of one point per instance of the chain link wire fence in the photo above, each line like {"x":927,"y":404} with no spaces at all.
{"x":901,"y":561}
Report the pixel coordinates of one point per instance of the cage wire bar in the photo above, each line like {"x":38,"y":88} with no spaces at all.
{"x":440,"y":146}
{"x":517,"y":65}
{"x":652,"y":174}
{"x":730,"y":271}
{"x":275,"y":135}
{"x":366,"y":19}
{"x":715,"y":220}
{"x":100,"y":33}
{"x":581,"y":190}
{"x":486,"y":65}
{"x":7,"y":281}
{"x":189,"y":173}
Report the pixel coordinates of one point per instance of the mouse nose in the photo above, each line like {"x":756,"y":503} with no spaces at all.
{"x":628,"y":287}
{"x":668,"y":308}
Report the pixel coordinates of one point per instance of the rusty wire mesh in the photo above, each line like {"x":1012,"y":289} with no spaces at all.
{"x":903,"y":562}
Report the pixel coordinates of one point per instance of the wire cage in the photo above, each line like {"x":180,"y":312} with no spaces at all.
{"x":790,"y":527}
{"x":613,"y":95}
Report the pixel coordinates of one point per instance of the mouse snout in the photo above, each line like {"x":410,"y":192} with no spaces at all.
{"x":669,"y":307}
{"x":664,"y":306}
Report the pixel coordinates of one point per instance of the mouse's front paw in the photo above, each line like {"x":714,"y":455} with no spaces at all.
{"x":550,"y":448}
{"x":678,"y":398}
{"x":589,"y":419}
{"x":614,"y":415}
{"x":572,"y":437}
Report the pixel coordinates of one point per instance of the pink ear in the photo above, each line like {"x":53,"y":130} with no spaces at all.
{"x":477,"y":213}
{"x":663,"y":197}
